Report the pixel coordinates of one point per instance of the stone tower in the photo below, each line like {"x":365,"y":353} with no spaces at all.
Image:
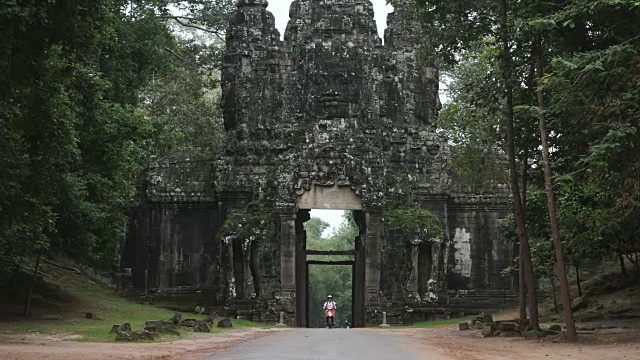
{"x":329,"y":118}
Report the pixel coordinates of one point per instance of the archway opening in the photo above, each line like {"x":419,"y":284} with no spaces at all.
{"x":330,"y":264}
{"x":343,"y":246}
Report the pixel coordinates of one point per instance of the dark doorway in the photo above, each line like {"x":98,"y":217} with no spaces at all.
{"x":329,"y":277}
{"x":353,"y":258}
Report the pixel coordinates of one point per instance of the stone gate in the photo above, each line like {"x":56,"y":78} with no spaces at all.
{"x":329,"y":118}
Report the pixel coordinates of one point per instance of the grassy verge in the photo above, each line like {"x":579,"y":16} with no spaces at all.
{"x":62,"y":298}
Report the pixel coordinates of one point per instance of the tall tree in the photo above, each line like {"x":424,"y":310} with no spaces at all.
{"x":565,"y":296}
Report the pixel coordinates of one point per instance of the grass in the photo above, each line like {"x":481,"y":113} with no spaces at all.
{"x":62,"y":298}
{"x":438,"y":323}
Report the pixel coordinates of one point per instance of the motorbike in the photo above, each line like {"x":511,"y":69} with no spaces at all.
{"x":330,"y":317}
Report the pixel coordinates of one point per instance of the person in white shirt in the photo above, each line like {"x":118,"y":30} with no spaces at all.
{"x":329,"y":305}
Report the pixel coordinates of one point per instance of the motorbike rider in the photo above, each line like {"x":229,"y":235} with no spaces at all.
{"x":329,"y":305}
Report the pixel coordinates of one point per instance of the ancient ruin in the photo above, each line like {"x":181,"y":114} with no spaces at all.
{"x":329,"y":118}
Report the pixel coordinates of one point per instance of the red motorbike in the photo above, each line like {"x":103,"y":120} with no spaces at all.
{"x":330,"y":317}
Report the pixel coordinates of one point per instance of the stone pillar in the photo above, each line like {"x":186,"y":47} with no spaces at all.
{"x":373,"y":250}
{"x":412,"y":285}
{"x":287,"y":227}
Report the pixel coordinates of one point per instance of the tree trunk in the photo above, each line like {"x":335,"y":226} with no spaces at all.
{"x":623,"y":267}
{"x":553,"y":293}
{"x":522,"y":285}
{"x":27,"y":306}
{"x":551,"y":205}
{"x":513,"y":170}
{"x":578,"y":280}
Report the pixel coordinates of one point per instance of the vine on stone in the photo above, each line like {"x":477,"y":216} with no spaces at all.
{"x":248,"y":223}
{"x":413,"y":219}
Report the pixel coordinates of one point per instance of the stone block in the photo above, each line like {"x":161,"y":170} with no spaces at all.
{"x":509,"y":334}
{"x":202,"y":327}
{"x":506,"y":326}
{"x":463,"y":326}
{"x":555,"y":327}
{"x":579,"y":303}
{"x":487,"y":318}
{"x":534,"y":335}
{"x":488,"y":330}
{"x":225,"y":323}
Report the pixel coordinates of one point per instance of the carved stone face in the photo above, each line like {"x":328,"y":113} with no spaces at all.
{"x":334,"y":82}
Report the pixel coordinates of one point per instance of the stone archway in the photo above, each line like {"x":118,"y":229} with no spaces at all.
{"x":333,"y":198}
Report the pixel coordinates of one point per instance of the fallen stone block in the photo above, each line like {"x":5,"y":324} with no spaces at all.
{"x":506,"y":326}
{"x":488,"y":330}
{"x":189,"y":323}
{"x":586,"y":328}
{"x":579,"y":303}
{"x":487,"y":318}
{"x":123,"y":336}
{"x":509,"y":334}
{"x":463,"y":326}
{"x":176,"y":319}
{"x":126,"y":327}
{"x":225,"y":323}
{"x":145,"y":335}
{"x":555,"y":327}
{"x":534,"y":335}
{"x":151,"y":329}
{"x":551,"y":333}
{"x":202,"y":327}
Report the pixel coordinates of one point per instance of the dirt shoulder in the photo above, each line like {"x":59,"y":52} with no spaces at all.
{"x":607,"y":344}
{"x":58,"y":347}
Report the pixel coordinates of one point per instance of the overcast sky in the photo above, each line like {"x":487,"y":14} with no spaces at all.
{"x":280,"y":9}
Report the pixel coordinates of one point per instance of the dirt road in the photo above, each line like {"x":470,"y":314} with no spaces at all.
{"x":445,"y":343}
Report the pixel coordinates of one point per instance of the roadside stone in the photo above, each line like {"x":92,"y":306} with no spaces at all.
{"x":555,"y":327}
{"x":551,"y":333}
{"x":509,"y":334}
{"x":579,"y":303}
{"x":506,"y":326}
{"x":202,"y":327}
{"x":163,"y":327}
{"x":114,"y":329}
{"x":487,"y":318}
{"x":534,"y":335}
{"x":123,"y":336}
{"x":176,"y":319}
{"x":488,"y":330}
{"x":463,"y":326}
{"x":146,"y":335}
{"x":151,"y":329}
{"x":126,"y":327}
{"x":225,"y":323}
{"x":586,"y":328}
{"x":189,"y":323}
{"x":479,"y":325}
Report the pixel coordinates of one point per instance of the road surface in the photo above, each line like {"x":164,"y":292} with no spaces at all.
{"x":343,"y":344}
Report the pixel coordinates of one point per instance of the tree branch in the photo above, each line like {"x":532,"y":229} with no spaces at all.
{"x":179,"y":19}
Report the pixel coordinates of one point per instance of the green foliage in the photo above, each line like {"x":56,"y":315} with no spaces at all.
{"x":590,"y":90}
{"x":413,"y":219}
{"x":248,"y":223}
{"x":315,"y":227}
{"x":87,"y":92}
